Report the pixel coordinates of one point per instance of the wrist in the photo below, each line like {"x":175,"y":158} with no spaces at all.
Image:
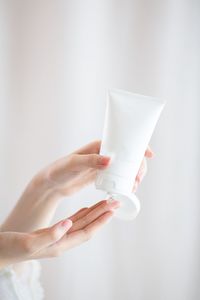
{"x":42,"y":188}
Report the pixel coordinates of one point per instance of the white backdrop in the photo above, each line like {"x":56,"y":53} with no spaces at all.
{"x":57,"y":58}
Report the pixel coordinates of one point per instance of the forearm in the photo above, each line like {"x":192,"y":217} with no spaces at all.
{"x":35,"y":208}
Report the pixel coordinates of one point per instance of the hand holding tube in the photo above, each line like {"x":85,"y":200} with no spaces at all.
{"x":68,"y":175}
{"x":63,"y":177}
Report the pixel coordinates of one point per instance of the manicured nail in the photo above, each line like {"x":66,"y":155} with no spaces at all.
{"x":149,"y":153}
{"x":105,"y":160}
{"x":66,"y":223}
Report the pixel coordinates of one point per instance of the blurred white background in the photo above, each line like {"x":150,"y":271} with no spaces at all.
{"x":57,"y":59}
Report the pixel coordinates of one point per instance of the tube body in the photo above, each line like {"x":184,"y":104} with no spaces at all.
{"x":129,"y":123}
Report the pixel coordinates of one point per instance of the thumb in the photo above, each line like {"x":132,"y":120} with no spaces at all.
{"x":48,"y":236}
{"x":95,"y":161}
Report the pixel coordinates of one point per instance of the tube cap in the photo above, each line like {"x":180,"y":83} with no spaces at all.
{"x":130,"y":205}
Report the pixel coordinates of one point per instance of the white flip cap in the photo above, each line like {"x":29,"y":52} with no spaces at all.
{"x":130,"y":206}
{"x":119,"y":188}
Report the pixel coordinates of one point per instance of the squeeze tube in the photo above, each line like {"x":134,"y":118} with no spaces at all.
{"x":129,"y":123}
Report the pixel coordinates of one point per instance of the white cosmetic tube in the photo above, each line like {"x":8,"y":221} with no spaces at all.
{"x":129,"y":123}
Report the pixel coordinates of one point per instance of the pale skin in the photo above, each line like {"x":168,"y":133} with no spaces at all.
{"x":21,"y":236}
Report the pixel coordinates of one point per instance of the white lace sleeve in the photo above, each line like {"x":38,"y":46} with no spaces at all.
{"x":21,"y":282}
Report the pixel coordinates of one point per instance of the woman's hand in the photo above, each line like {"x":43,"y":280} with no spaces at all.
{"x":52,"y":241}
{"x":64,"y":177}
{"x":69,"y":174}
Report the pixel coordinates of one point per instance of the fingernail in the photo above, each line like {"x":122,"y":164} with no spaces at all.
{"x":149,"y":153}
{"x":66,"y":223}
{"x":105,"y":160}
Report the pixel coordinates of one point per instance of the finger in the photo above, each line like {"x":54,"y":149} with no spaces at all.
{"x":95,"y":213}
{"x":83,"y":212}
{"x":135,"y":186}
{"x":82,"y":180}
{"x":78,"y":214}
{"x":48,"y":236}
{"x":85,"y":161}
{"x":142,"y":171}
{"x":140,"y":175}
{"x":97,"y":223}
{"x":77,"y":237}
{"x":93,"y":147}
{"x":149,"y":153}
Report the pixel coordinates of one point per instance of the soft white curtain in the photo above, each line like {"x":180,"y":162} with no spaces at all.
{"x":57,"y":58}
